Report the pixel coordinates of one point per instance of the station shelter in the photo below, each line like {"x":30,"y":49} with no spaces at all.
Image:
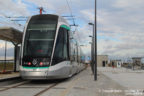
{"x":15,"y":37}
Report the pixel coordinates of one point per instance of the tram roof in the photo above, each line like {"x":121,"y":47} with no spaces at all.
{"x":11,"y":34}
{"x":60,"y":18}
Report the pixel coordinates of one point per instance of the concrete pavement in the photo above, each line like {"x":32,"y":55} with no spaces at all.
{"x":132,"y":80}
{"x":9,"y":76}
{"x":82,"y":84}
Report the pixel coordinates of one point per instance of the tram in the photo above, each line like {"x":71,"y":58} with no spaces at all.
{"x":49,"y":49}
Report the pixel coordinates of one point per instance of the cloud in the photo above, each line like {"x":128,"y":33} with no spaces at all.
{"x":57,"y":6}
{"x":82,"y":36}
{"x":10,"y":50}
{"x":10,"y":8}
{"x":42,"y":3}
{"x":88,"y":14}
{"x":82,"y":11}
{"x":128,"y":4}
{"x":121,"y":21}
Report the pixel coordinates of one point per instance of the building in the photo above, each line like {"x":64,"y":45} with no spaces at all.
{"x":102,"y":60}
{"x":115,"y":63}
{"x":137,"y":61}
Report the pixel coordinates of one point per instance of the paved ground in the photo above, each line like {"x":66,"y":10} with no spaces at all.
{"x":111,"y":82}
{"x":81,"y":84}
{"x":121,"y":70}
{"x":10,"y":75}
{"x":131,"y":80}
{"x":84,"y":85}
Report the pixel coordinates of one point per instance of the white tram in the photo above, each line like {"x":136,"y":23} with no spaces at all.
{"x":49,"y":50}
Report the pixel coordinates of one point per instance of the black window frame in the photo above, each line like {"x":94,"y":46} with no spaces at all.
{"x":61,"y":31}
{"x":44,"y":16}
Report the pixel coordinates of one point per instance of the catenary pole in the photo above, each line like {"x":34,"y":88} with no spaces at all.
{"x":95,"y":37}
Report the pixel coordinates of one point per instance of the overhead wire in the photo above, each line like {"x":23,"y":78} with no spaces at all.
{"x":73,"y":20}
{"x":70,"y":11}
{"x":13,"y":20}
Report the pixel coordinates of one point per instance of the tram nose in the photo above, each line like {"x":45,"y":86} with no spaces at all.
{"x":36,"y":62}
{"x":34,"y":74}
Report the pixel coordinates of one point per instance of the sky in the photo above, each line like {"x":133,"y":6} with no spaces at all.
{"x":119,"y":23}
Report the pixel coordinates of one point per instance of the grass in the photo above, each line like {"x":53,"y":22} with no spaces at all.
{"x":9,"y":66}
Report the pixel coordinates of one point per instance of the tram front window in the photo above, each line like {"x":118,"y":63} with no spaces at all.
{"x":40,"y":37}
{"x":39,"y":43}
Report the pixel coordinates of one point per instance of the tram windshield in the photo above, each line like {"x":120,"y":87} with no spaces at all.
{"x":40,"y":36}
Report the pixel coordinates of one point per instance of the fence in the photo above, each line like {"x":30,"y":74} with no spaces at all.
{"x":7,"y":65}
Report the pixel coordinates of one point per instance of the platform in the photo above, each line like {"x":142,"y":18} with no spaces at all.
{"x":128,"y":78}
{"x":9,"y":76}
{"x":83,"y":84}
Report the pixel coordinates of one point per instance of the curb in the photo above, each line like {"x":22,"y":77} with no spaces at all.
{"x":10,"y":78}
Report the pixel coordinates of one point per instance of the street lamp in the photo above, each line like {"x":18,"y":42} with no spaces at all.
{"x":4,"y":70}
{"x":90,"y":23}
{"x":81,"y":45}
{"x":92,"y":57}
{"x":90,"y":36}
{"x":81,"y":54}
{"x":92,"y":48}
{"x":95,"y":65}
{"x":95,"y":43}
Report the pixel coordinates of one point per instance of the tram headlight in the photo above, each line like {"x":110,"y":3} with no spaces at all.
{"x":25,"y":63}
{"x":29,"y":63}
{"x":41,"y":63}
{"x":45,"y":63}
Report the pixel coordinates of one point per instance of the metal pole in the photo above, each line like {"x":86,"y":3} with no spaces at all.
{"x":15,"y":56}
{"x":92,"y":56}
{"x":95,"y":65}
{"x":77,"y":53}
{"x":93,"y":47}
{"x":5,"y":56}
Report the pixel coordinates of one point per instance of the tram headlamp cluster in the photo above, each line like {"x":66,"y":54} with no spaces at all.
{"x":44,"y":63}
{"x":29,"y":63}
{"x":41,"y":63}
{"x":26,"y":63}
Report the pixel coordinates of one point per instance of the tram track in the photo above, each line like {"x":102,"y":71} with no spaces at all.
{"x":19,"y":85}
{"x":46,"y":89}
{"x":29,"y":84}
{"x":43,"y":86}
{"x":14,"y":86}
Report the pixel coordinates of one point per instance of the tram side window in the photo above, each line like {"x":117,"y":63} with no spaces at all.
{"x":66,"y":44}
{"x":74,"y":55}
{"x":61,"y":49}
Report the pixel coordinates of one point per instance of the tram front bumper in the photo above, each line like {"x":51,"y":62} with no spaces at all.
{"x":39,"y":75}
{"x":34,"y":75}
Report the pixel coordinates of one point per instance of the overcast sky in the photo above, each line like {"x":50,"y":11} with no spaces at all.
{"x":120,"y":22}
